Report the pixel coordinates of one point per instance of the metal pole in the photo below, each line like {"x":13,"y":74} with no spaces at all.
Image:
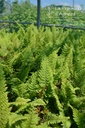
{"x":38,"y":13}
{"x":72,"y":11}
{"x":73,"y":4}
{"x":73,"y":7}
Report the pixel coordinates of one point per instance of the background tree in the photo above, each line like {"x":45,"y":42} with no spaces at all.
{"x":2,"y":6}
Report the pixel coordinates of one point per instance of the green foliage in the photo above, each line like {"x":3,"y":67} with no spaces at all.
{"x":44,"y":75}
{"x":79,"y":117}
{"x":2,"y":7}
{"x":15,"y":118}
{"x":4,"y":106}
{"x":64,"y":15}
{"x":24,"y":11}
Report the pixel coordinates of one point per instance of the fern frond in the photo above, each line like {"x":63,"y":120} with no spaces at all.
{"x":58,"y":120}
{"x":21,"y":90}
{"x":55,"y":95}
{"x":21,"y":104}
{"x":4,"y":106}
{"x":72,"y":96}
{"x":43,"y":125}
{"x":78,"y":117}
{"x":20,"y":101}
{"x":79,"y":65}
{"x":53,"y":59}
{"x":45,"y":74}
{"x":32,"y":120}
{"x":38,"y":102}
{"x":15,"y":118}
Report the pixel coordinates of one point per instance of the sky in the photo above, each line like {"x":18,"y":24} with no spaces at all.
{"x":59,"y":2}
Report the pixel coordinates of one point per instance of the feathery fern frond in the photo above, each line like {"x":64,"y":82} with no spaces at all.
{"x":79,"y":117}
{"x":45,"y":74}
{"x":4,"y":106}
{"x":32,"y":120}
{"x":58,"y":120}
{"x":16,"y":119}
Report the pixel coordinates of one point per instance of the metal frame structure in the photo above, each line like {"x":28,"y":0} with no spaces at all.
{"x":46,"y":25}
{"x":38,"y":12}
{"x":42,"y":24}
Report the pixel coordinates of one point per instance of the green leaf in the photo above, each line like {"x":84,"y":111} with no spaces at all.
{"x":38,"y":102}
{"x":14,"y":118}
{"x":20,"y":101}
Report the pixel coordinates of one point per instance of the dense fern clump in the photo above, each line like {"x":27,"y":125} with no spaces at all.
{"x":4,"y":106}
{"x":44,"y":73}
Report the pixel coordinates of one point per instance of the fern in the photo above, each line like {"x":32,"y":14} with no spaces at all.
{"x":30,"y":115}
{"x":15,"y":119}
{"x":78,"y":117}
{"x":72,"y":96}
{"x":43,"y":125}
{"x":45,"y":74}
{"x":32,"y":120}
{"x":58,"y":120}
{"x":4,"y":106}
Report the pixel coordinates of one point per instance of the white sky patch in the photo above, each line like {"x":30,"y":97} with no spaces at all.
{"x":78,"y":7}
{"x":66,"y":4}
{"x":45,"y":4}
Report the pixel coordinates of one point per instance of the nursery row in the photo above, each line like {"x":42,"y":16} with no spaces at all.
{"x":42,"y":78}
